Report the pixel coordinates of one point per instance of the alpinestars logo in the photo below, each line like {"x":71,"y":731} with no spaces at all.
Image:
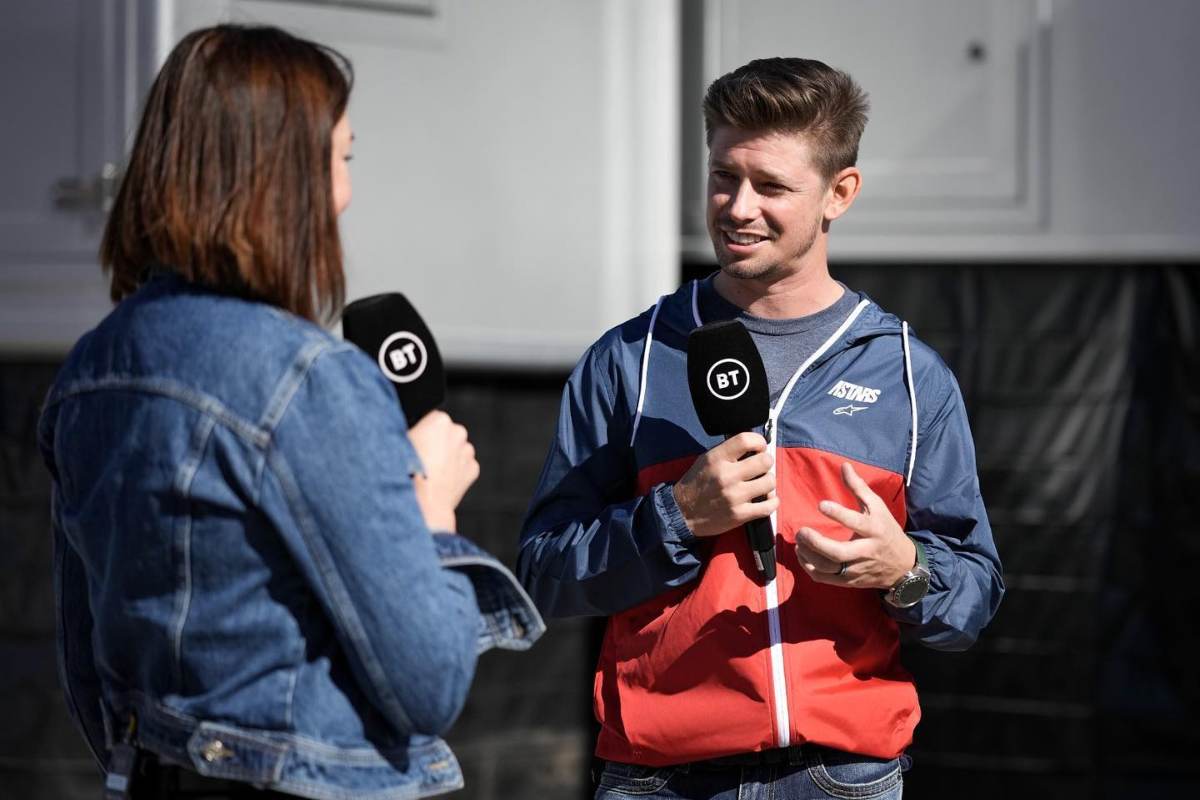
{"x":854,"y":393}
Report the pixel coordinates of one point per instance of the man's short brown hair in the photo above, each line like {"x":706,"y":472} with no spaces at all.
{"x":793,"y":95}
{"x":229,"y":182}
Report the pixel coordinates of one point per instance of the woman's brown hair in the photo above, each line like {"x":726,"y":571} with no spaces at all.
{"x":229,"y":182}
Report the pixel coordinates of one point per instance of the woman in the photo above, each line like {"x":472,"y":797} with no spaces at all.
{"x":249,"y":594}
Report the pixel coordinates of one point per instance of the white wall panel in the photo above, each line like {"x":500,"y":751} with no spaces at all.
{"x":516,"y":163}
{"x":1072,"y":136}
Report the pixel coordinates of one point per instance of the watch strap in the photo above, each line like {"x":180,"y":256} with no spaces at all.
{"x":922,"y":559}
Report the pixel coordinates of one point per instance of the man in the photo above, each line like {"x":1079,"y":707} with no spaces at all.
{"x":712,"y":680}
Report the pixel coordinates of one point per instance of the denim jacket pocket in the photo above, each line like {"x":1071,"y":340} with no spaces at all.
{"x":509,"y":619}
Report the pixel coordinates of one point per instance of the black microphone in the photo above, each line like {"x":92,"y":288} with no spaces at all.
{"x":391,"y":332}
{"x":728,"y":383}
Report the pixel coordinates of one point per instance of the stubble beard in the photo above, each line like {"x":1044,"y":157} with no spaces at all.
{"x":748,"y":271}
{"x":766,"y":270}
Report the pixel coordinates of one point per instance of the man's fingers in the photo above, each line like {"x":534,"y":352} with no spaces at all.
{"x":853,"y":520}
{"x":861,"y":488}
{"x":820,"y":548}
{"x":741,"y":491}
{"x":752,"y":467}
{"x":752,"y":509}
{"x":812,"y":561}
{"x":812,"y":550}
{"x":761,"y":486}
{"x":735,"y":447}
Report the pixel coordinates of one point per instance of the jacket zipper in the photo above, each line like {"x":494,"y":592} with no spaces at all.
{"x":783,"y":735}
{"x":778,"y":684}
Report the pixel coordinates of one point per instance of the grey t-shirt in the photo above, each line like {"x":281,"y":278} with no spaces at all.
{"x":783,"y":343}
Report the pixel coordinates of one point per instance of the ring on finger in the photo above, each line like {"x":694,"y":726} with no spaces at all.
{"x":842,"y":570}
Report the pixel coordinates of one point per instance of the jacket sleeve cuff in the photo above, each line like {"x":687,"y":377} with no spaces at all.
{"x":675,"y":529}
{"x":508,"y":617}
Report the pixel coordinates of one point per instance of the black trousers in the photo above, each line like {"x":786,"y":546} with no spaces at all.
{"x":153,"y":780}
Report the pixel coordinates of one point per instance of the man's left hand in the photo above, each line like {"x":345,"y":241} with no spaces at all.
{"x":878,"y":555}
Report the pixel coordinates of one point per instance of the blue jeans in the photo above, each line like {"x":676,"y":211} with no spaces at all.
{"x":808,"y":773}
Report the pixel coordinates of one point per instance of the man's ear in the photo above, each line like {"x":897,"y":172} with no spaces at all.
{"x":843,"y":188}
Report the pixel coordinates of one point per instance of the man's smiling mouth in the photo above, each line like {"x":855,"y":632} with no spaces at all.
{"x":743,"y":238}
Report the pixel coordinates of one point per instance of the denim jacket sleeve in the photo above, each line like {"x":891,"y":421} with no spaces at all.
{"x":590,"y":545}
{"x":72,"y":618}
{"x":508,"y":618}
{"x":946,"y":515}
{"x":337,"y":479}
{"x":73,"y":628}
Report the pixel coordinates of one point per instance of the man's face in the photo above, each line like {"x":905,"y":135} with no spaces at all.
{"x":766,"y":201}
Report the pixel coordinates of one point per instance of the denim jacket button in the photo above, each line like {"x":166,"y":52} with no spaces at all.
{"x":215,"y":751}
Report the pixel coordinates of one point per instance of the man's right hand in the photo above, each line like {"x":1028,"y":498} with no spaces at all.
{"x":717,"y":493}
{"x":450,"y":468}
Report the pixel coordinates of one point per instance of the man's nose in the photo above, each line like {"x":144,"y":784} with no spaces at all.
{"x":743,"y":205}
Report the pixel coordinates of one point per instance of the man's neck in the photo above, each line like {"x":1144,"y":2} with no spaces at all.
{"x":796,"y":295}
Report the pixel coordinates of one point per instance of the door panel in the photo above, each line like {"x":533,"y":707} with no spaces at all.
{"x":71,"y":75}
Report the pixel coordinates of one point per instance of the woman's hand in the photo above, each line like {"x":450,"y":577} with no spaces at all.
{"x":450,"y":468}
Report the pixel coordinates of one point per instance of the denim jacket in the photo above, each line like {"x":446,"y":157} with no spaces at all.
{"x":242,"y":571}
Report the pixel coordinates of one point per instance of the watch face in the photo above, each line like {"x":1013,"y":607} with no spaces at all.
{"x":911,"y":590}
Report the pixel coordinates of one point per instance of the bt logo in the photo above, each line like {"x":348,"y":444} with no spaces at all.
{"x":728,"y":379}
{"x":402,"y":357}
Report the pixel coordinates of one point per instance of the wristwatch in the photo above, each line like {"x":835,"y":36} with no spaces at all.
{"x":913,"y":585}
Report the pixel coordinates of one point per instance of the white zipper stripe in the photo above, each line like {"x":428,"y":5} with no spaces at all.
{"x":637,"y":417}
{"x":783,"y":725}
{"x":838,"y":334}
{"x":912,"y":399}
{"x":778,"y":682}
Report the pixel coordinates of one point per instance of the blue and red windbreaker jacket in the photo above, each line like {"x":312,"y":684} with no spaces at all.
{"x":700,"y":660}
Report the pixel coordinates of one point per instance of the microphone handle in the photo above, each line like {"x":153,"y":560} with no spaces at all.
{"x":762,"y":543}
{"x":762,"y":539}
